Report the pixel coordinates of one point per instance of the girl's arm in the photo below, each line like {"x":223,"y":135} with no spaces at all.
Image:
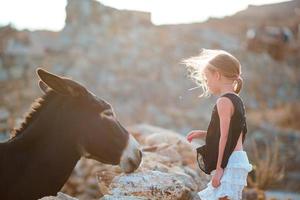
{"x":196,"y":134}
{"x":225,"y":110}
{"x":201,"y":133}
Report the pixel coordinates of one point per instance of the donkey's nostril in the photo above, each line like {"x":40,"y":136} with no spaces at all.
{"x":133,"y":164}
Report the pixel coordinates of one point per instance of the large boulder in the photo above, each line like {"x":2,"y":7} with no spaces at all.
{"x":118,"y":197}
{"x":59,"y":196}
{"x":153,"y":185}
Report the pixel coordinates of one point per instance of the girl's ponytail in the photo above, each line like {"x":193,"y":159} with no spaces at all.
{"x":239,"y":85}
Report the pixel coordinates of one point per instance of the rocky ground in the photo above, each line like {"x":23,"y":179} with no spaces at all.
{"x":168,"y":172}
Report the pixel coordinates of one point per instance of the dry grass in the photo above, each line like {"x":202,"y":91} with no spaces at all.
{"x":267,"y":166}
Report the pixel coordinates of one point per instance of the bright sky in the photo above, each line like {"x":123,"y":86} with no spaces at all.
{"x":50,"y":14}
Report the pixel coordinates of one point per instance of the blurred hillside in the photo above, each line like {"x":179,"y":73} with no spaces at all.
{"x":135,"y":65}
{"x":279,"y":14}
{"x":122,"y":57}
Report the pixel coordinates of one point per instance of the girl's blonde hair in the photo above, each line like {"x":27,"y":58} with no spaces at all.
{"x":214,"y":60}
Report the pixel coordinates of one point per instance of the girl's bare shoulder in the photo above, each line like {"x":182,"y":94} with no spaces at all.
{"x":225,"y":105}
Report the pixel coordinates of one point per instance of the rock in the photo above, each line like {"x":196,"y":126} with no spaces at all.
{"x":178,"y":144}
{"x":154,"y":161}
{"x":163,"y":158}
{"x":60,"y":196}
{"x":81,"y":13}
{"x":118,"y":197}
{"x":141,"y":131}
{"x":83,"y":179}
{"x":150,"y":184}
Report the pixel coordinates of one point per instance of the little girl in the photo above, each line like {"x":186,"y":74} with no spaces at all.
{"x":219,"y":73}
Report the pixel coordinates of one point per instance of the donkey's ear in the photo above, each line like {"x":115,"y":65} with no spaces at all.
{"x":63,"y":86}
{"x":43,"y":86}
{"x":54,"y":82}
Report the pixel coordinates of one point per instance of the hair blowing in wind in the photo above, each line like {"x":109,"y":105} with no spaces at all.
{"x":214,"y":60}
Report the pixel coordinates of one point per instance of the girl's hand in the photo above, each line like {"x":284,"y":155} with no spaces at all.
{"x":217,"y":177}
{"x":195,"y":134}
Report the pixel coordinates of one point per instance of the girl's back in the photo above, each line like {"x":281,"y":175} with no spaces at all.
{"x":236,"y":135}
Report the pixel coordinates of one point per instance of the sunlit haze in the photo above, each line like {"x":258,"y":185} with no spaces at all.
{"x":46,"y":14}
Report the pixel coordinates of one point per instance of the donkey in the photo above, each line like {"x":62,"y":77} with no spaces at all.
{"x":66,"y":123}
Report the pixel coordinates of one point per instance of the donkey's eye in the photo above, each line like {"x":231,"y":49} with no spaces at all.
{"x":107,"y":112}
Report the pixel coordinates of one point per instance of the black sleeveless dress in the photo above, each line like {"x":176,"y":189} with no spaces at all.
{"x":207,"y":155}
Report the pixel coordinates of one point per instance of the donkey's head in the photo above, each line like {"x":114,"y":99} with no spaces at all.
{"x":92,"y":123}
